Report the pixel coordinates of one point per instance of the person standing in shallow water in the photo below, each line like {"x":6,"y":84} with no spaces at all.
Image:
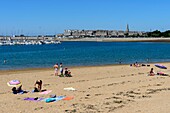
{"x":5,"y":61}
{"x":56,"y":69}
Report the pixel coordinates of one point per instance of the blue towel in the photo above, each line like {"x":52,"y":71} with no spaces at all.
{"x":54,"y":99}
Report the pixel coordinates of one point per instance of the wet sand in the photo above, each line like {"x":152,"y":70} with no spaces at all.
{"x":99,"y":89}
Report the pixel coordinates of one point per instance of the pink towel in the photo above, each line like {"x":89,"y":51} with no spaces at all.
{"x":45,"y":92}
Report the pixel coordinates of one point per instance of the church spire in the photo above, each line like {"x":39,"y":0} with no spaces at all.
{"x":127,"y":28}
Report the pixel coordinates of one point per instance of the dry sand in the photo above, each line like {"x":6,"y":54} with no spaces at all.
{"x":99,"y":89}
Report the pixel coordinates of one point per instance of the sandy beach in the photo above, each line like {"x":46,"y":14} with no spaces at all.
{"x":150,"y":39}
{"x":99,"y":89}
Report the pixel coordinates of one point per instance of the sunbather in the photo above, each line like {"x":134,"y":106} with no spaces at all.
{"x":38,"y":86}
{"x":151,"y":72}
{"x":17,"y":90}
{"x":67,"y":73}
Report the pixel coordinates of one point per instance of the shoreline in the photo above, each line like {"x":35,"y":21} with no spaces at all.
{"x":117,"y":39}
{"x":47,"y":69}
{"x":27,"y":70}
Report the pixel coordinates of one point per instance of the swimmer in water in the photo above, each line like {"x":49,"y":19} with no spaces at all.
{"x":5,"y":61}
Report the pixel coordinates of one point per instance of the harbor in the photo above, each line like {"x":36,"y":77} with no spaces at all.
{"x":27,"y":41}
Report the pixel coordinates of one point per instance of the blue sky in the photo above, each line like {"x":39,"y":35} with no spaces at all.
{"x":33,"y":17}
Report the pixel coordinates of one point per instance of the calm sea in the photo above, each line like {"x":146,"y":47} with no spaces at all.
{"x":82,"y":54}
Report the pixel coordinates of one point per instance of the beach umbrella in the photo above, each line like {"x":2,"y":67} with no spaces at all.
{"x":160,"y":66}
{"x":14,"y":83}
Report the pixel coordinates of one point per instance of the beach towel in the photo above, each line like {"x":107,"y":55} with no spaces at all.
{"x":22,"y":92}
{"x":68,"y":98}
{"x":34,"y":99}
{"x":70,"y":89}
{"x":45,"y":92}
{"x":47,"y":100}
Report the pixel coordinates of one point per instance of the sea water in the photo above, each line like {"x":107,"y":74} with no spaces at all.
{"x":82,"y":54}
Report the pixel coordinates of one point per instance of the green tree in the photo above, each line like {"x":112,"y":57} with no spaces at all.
{"x":166,"y":33}
{"x":156,"y":34}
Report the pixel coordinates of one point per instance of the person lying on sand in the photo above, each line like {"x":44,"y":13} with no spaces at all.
{"x":162,"y":74}
{"x":18,"y":90}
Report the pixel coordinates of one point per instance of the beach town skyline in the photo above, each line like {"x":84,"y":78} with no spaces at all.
{"x":55,"y":16}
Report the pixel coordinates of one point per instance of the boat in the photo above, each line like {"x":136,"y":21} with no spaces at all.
{"x":57,"y":42}
{"x":28,"y":42}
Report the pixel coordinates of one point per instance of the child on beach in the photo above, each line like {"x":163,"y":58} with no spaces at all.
{"x":56,"y":69}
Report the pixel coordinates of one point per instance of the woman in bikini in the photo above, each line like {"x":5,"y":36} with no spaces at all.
{"x":56,"y":69}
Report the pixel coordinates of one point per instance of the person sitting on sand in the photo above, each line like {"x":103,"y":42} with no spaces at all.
{"x":136,"y":64}
{"x":151,"y":72}
{"x":38,"y":86}
{"x":67,"y":73}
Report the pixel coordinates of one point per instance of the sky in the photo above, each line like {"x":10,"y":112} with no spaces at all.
{"x":47,"y":17}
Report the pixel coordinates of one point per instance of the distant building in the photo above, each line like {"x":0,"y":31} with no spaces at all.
{"x":103,"y":33}
{"x":67,"y":33}
{"x":90,"y":33}
{"x":113,"y":33}
{"x":133,"y":33}
{"x":75,"y":33}
{"x":121,"y":33}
